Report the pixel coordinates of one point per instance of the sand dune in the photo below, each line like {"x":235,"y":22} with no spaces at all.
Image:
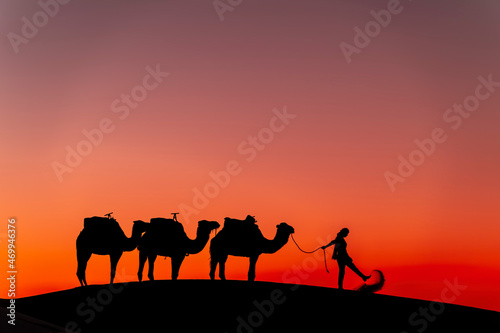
{"x":238,"y":306}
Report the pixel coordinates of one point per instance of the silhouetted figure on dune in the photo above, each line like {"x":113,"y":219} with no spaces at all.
{"x":343,"y":259}
{"x":104,"y":236}
{"x":243,"y":238}
{"x":166,"y":237}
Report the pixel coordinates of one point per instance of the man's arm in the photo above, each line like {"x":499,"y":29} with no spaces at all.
{"x":329,"y":244}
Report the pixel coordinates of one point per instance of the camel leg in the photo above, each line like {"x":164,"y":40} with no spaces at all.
{"x":213,"y":266}
{"x":114,"y":258}
{"x":142,"y":260}
{"x":151,"y":260}
{"x":222,"y":267}
{"x":82,"y":258}
{"x":176,"y":265}
{"x":251,"y":268}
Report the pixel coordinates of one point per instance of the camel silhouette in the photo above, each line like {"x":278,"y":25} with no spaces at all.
{"x":243,"y":238}
{"x":104,"y":236}
{"x":166,"y":237}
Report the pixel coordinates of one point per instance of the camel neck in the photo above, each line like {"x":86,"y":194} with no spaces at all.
{"x":279,"y":240}
{"x":196,"y":245}
{"x":130,"y":243}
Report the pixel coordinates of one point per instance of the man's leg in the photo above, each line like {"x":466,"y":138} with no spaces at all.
{"x":357,"y":271}
{"x":341,"y":275}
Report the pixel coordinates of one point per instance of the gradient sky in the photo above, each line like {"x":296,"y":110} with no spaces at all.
{"x":323,"y":171}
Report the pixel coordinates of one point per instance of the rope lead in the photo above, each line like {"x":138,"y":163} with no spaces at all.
{"x":324,"y":252}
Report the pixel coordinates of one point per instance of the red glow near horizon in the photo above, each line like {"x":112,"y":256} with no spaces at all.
{"x":211,"y":127}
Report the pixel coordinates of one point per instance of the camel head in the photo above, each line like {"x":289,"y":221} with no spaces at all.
{"x":285,"y":228}
{"x":139,"y":227}
{"x":208,"y":225}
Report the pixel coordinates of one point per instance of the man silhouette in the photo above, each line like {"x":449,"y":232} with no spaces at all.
{"x":343,"y":259}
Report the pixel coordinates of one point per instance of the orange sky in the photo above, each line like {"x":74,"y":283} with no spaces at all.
{"x":319,"y":171}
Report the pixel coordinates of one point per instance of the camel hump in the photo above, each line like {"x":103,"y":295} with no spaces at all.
{"x":240,"y":226}
{"x":163,"y":224}
{"x":156,"y":220}
{"x":250,"y":220}
{"x":97,"y":225}
{"x":99,"y":222}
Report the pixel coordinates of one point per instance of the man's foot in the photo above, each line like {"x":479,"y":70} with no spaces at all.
{"x":366,"y":277}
